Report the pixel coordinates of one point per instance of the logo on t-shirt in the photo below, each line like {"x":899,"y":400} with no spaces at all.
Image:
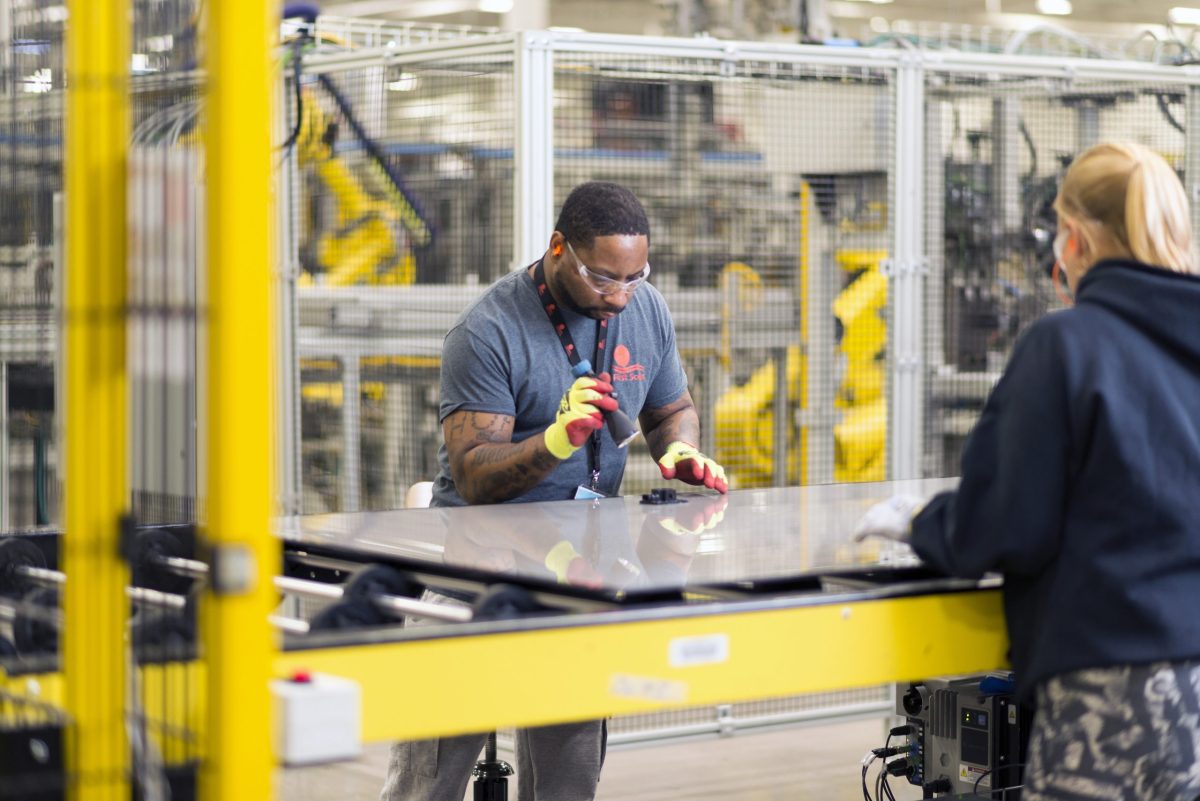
{"x":623,"y":370}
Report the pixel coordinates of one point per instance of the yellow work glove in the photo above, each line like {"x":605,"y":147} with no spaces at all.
{"x":571,"y":568}
{"x":684,"y":462}
{"x":579,"y":414}
{"x":694,"y":518}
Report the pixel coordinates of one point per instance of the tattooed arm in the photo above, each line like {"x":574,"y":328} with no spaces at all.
{"x":675,"y":422}
{"x":486,"y":465}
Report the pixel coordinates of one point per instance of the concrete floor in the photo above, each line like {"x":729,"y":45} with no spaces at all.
{"x":821,"y":763}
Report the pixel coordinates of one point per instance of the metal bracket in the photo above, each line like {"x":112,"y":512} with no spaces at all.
{"x":729,"y":62}
{"x":539,"y":41}
{"x":127,"y":536}
{"x":233,"y":569}
{"x":726,"y":723}
{"x":894,"y":268}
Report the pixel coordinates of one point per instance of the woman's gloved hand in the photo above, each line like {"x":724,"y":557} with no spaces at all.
{"x":684,"y":462}
{"x":579,"y":414}
{"x":890,"y":519}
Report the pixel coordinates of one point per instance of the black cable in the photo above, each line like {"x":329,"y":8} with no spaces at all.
{"x":881,"y":782}
{"x":297,"y":49}
{"x":884,"y":774}
{"x":1033,"y":161}
{"x":42,"y":516}
{"x":865,"y":766}
{"x":1165,"y":108}
{"x":377,"y":155}
{"x":982,"y":776}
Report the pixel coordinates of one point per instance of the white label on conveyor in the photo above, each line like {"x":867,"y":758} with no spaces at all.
{"x":709,"y":649}
{"x":646,"y":688}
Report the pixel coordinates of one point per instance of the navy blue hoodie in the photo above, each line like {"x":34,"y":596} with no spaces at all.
{"x":1081,"y":481}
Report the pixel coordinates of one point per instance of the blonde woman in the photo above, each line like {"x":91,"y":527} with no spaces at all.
{"x":1081,"y":484}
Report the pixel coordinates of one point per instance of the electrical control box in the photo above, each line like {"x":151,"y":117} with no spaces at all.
{"x":318,"y":718}
{"x":969,"y":735}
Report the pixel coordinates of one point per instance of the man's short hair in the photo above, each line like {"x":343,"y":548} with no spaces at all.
{"x":601,"y":208}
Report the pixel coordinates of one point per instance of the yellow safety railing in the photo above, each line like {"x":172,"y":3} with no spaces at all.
{"x":239,"y":645}
{"x":96,"y":497}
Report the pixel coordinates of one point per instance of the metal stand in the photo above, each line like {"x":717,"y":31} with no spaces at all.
{"x":491,"y":775}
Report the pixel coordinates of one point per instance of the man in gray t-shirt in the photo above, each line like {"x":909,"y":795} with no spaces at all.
{"x":506,"y":372}
{"x":517,"y":426}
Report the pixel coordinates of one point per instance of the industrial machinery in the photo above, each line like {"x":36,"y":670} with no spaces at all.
{"x":667,"y":601}
{"x":996,"y":152}
{"x":772,"y":179}
{"x":747,"y":220}
{"x":964,"y":736}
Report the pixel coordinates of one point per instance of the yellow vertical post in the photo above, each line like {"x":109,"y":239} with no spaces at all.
{"x":239,"y":646}
{"x":96,"y":486}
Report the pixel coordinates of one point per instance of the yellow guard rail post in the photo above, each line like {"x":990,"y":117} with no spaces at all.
{"x":97,"y":140}
{"x":239,"y":646}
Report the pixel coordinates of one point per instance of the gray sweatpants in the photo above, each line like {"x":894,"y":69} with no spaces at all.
{"x":554,"y":763}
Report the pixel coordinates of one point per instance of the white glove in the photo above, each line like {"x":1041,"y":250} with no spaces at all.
{"x":890,"y":519}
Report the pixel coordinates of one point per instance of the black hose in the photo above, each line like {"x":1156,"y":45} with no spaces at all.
{"x":1165,"y":107}
{"x":376,"y":154}
{"x":41,"y":510}
{"x":297,"y":49}
{"x":1033,"y":160}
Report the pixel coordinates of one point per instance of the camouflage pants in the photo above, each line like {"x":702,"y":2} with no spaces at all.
{"x":1127,"y":733}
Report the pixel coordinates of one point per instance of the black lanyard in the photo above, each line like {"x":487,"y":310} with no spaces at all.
{"x":564,"y":337}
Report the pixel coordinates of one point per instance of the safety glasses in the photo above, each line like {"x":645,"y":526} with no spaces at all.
{"x":602,"y":284}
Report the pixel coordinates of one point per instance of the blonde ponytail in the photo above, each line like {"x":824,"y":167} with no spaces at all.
{"x":1137,"y":199}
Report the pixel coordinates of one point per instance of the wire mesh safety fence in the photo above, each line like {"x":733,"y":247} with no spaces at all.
{"x":166,"y":224}
{"x":727,"y":720}
{"x":406,"y":215}
{"x":771,"y":188}
{"x":164,"y":191}
{"x":166,"y":317}
{"x":336,"y":34}
{"x":997,"y":149}
{"x":32,"y":731}
{"x":1052,"y":40}
{"x":166,"y":325}
{"x":767,"y":188}
{"x":30,"y":263}
{"x":766,"y":185}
